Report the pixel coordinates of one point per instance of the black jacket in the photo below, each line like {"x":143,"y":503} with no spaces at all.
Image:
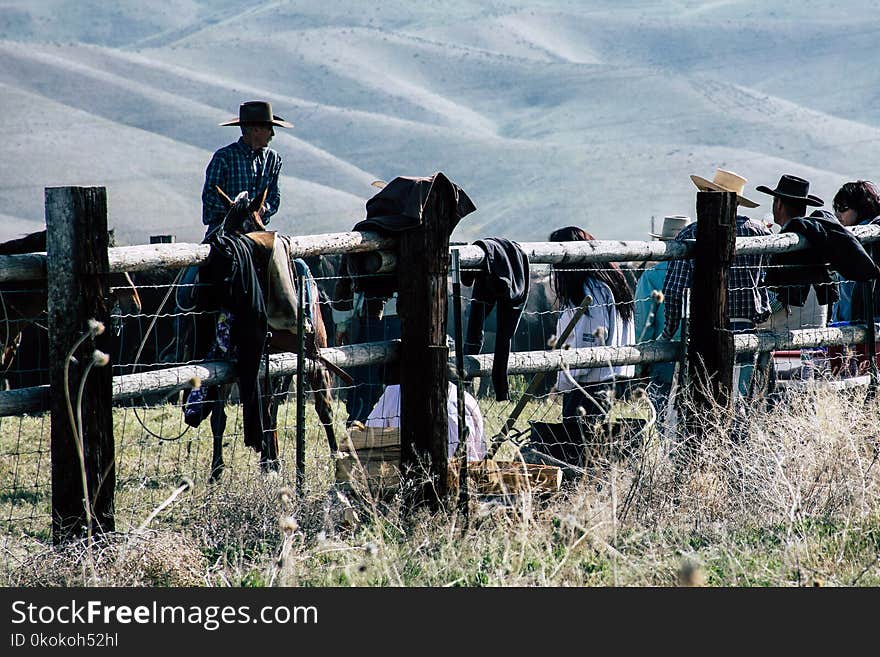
{"x":235,"y":275}
{"x":398,"y":207}
{"x":832,"y":246}
{"x":504,"y":279}
{"x":400,"y":204}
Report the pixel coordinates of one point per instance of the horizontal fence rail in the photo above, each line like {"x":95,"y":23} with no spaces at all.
{"x":172,"y":379}
{"x":556,"y":253}
{"x":32,"y":266}
{"x":532,"y":362}
{"x":24,"y":267}
{"x":168,"y":380}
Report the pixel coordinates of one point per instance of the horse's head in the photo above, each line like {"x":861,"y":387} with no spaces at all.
{"x":243,"y":214}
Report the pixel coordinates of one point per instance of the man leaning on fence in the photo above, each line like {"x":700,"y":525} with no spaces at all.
{"x":831,"y":246}
{"x":748,"y":301}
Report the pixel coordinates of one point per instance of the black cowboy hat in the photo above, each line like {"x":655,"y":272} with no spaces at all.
{"x":257,"y":111}
{"x":793,"y":189}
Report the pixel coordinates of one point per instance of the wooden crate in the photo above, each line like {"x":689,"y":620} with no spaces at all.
{"x":374,"y":461}
{"x":507,"y":477}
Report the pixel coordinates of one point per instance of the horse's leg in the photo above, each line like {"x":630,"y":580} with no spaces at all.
{"x":319,"y":376}
{"x":269,"y":454}
{"x":319,"y":379}
{"x":218,"y":427}
{"x":10,"y":351}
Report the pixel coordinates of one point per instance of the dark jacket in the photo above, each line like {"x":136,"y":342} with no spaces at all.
{"x":832,"y":247}
{"x":399,"y":205}
{"x":503,"y":280}
{"x":236,"y":276}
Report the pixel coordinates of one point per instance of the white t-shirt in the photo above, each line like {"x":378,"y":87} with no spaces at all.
{"x":602,"y":313}
{"x":386,"y":413}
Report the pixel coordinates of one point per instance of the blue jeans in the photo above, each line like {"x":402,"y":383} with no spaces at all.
{"x":744,"y":364}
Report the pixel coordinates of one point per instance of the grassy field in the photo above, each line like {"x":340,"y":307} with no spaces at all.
{"x":792,"y":503}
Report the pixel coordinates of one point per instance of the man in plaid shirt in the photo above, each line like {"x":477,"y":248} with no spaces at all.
{"x":748,"y":300}
{"x":245,"y":165}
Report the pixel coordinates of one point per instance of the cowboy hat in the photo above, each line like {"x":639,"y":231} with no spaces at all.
{"x":793,"y":189}
{"x":725,"y":181}
{"x":257,"y":111}
{"x":672,"y":226}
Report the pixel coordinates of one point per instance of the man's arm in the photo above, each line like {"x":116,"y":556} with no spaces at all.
{"x":678,"y":279}
{"x":213,"y":209}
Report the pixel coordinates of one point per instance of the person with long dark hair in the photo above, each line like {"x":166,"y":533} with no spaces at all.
{"x":857,"y":203}
{"x":608,"y":321}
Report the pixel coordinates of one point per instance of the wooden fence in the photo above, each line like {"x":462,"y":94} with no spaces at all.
{"x":77,"y":265}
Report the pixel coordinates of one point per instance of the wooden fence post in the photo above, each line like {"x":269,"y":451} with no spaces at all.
{"x":710,"y":349}
{"x":77,"y":269}
{"x":421,"y":304}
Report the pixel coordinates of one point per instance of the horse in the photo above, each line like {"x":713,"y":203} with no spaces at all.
{"x":23,"y":313}
{"x":272,"y":264}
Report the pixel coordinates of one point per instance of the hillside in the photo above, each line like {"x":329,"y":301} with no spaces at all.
{"x":547,"y":113}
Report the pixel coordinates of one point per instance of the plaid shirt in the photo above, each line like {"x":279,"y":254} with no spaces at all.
{"x":747,"y":298}
{"x":237,"y":168}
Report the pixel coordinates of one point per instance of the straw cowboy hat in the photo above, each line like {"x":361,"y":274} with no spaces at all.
{"x":257,"y":111}
{"x":725,"y":181}
{"x":793,"y":189}
{"x":672,"y":226}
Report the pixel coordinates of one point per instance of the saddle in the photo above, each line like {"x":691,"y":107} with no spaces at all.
{"x":280,"y":292}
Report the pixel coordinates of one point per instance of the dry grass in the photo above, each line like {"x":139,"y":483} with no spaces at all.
{"x":793,"y":502}
{"x":137,"y":558}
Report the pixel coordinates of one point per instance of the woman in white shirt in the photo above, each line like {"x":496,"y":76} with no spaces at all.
{"x":608,"y":321}
{"x":386,"y":413}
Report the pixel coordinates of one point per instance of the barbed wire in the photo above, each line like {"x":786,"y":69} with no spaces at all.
{"x":145,"y":467}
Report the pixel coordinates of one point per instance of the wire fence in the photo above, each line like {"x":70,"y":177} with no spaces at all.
{"x":571,"y":418}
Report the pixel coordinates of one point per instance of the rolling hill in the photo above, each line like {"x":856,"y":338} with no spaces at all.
{"x":547,"y":113}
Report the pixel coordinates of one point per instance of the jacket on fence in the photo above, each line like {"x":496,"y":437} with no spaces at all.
{"x":235,"y":276}
{"x":400,"y":204}
{"x":832,"y":246}
{"x":398,"y":207}
{"x":503,"y":280}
